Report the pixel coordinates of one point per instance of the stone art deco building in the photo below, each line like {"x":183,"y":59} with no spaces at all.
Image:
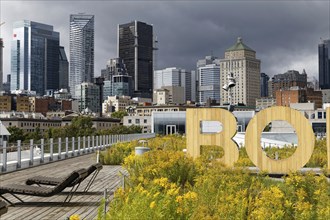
{"x":81,"y":50}
{"x":242,"y":62}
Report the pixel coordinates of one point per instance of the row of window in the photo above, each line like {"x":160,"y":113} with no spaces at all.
{"x":137,"y":121}
{"x":39,"y":124}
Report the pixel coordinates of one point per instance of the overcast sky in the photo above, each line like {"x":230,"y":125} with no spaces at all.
{"x":285,"y":34}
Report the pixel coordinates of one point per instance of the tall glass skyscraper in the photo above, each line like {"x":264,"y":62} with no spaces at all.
{"x":81,"y":50}
{"x":34,"y":57}
{"x":117,"y":81}
{"x":135,"y":47}
{"x":264,"y":78}
{"x":63,"y":70}
{"x":209,"y":83}
{"x":324,"y":64}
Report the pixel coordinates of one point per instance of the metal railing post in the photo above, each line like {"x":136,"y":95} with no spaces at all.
{"x":97,"y":142}
{"x":84,"y":144}
{"x":93,"y":143}
{"x":59,"y":148}
{"x":72,"y":144}
{"x":66,"y":147}
{"x":42,"y":148}
{"x":4,"y":156}
{"x":19,"y":154}
{"x":51,"y":149}
{"x":31,"y":152}
{"x":88,"y":143}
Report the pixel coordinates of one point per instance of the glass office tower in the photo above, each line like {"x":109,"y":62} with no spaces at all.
{"x":324,"y":64}
{"x":34,"y":57}
{"x":135,"y":47}
{"x":81,"y":50}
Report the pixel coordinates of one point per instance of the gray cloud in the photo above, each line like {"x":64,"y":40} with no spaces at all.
{"x":285,"y":34}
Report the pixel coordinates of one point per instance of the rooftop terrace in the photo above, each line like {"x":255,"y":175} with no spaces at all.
{"x":84,"y":204}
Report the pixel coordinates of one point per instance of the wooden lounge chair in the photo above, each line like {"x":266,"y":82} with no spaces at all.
{"x":3,"y":207}
{"x":53,"y":181}
{"x":71,"y":180}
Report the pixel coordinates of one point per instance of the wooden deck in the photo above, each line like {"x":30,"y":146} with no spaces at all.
{"x":84,"y":204}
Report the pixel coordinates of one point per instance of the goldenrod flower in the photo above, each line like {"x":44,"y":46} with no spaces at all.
{"x":74,"y":217}
{"x":152,"y":204}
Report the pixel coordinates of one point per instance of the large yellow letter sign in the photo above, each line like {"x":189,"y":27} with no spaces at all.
{"x":304,"y":132}
{"x":328,"y":136}
{"x":195,"y":138}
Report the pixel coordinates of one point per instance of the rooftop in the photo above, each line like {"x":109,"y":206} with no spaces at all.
{"x":84,"y":204}
{"x":239,"y":46}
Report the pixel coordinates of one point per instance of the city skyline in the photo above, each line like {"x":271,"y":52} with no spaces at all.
{"x":281,"y":33}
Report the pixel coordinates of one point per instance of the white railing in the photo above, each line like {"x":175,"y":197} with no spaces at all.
{"x":19,"y":155}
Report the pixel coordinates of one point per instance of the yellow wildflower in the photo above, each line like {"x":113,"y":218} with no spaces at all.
{"x":178,"y":199}
{"x":179,"y":210}
{"x":152,"y":204}
{"x":74,"y":217}
{"x":190,"y":195}
{"x":173,"y":192}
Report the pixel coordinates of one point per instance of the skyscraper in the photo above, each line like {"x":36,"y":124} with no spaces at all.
{"x":208,"y":87}
{"x":176,"y":77}
{"x":63,"y":70}
{"x":241,"y":61}
{"x":34,"y":57}
{"x":81,"y":50}
{"x":88,"y":96}
{"x":209,"y":83}
{"x":324,"y":64}
{"x":117,"y":81}
{"x":264,"y":78}
{"x":135,"y":47}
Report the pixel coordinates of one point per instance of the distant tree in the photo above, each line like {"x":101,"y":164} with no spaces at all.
{"x":81,"y":126}
{"x":121,"y":129}
{"x":36,"y":135}
{"x":15,"y":134}
{"x":133,"y":129}
{"x":119,"y":114}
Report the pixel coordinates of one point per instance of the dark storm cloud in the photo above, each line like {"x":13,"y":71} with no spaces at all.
{"x":284,"y":34}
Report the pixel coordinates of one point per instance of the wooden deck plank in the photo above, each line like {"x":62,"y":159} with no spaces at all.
{"x":84,"y":204}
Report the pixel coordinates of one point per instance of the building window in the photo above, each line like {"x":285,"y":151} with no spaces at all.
{"x":129,"y":121}
{"x":145,"y":121}
{"x":137,"y":121}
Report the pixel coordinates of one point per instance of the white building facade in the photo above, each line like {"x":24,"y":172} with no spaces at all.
{"x":176,"y":77}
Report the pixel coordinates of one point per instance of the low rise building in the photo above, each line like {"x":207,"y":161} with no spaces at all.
{"x":264,"y":102}
{"x":5,"y":103}
{"x":169,"y":95}
{"x":143,"y":121}
{"x":116,"y":103}
{"x":147,"y":110}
